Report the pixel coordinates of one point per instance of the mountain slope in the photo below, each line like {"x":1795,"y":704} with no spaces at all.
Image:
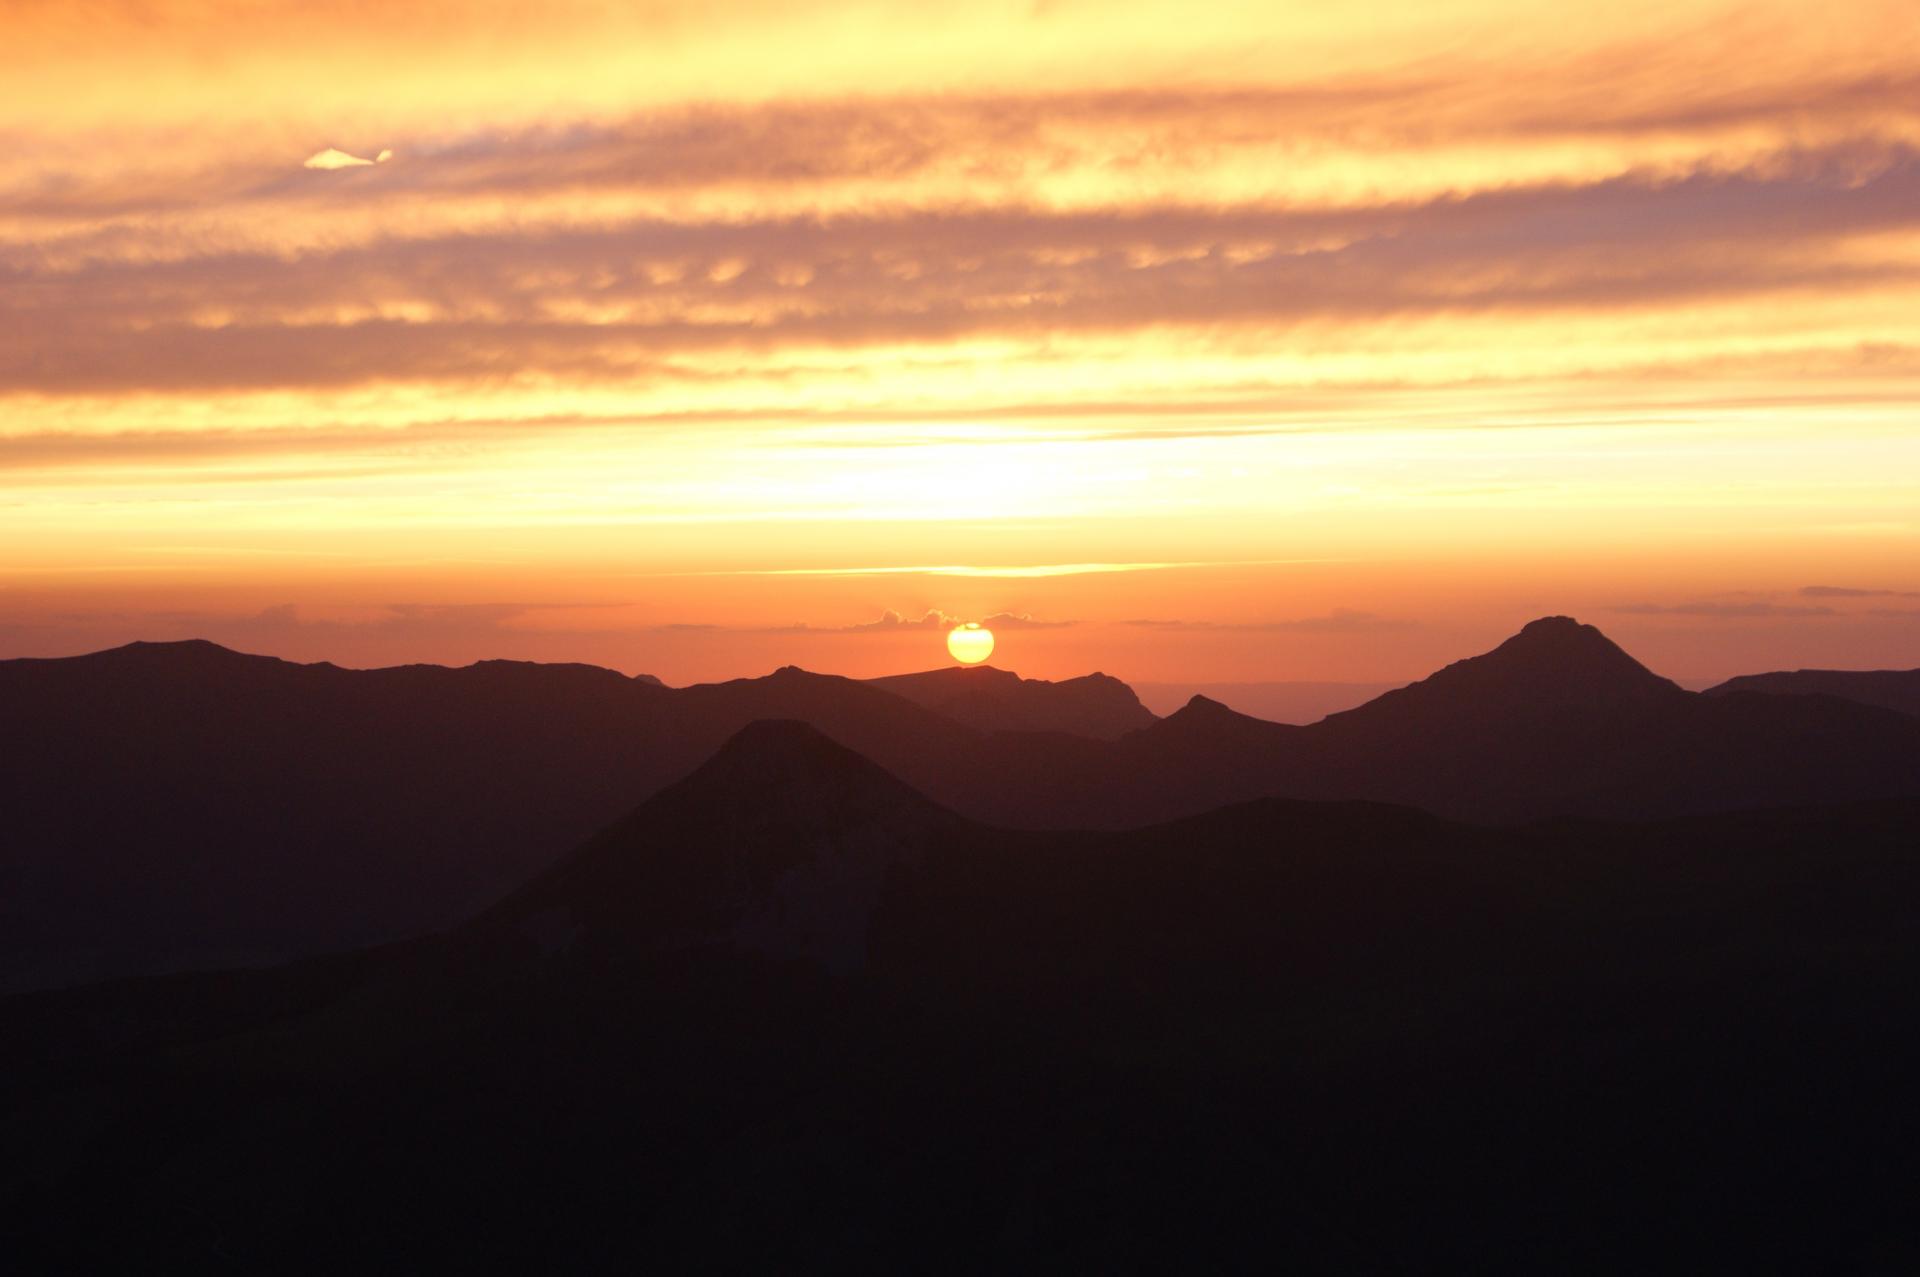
{"x":1330,"y":1036}
{"x":781,"y":843}
{"x":179,"y":805}
{"x":994,"y":700}
{"x":1888,"y":689}
{"x":172,"y":805}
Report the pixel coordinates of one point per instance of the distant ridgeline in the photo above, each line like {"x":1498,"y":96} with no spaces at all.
{"x":179,"y":805}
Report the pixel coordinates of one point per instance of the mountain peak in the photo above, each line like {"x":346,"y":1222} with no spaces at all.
{"x":1556,"y":625}
{"x":787,"y":754}
{"x":1208,"y":718}
{"x":183,"y":647}
{"x":782,"y":843}
{"x":996,"y":700}
{"x":1562,"y":646}
{"x":180,"y":654}
{"x":1553,"y":665}
{"x":784,"y":737}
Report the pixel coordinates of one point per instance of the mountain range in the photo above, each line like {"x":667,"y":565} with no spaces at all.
{"x":993,"y":700}
{"x":1890,"y":689}
{"x":180,"y":805}
{"x":791,"y":1013}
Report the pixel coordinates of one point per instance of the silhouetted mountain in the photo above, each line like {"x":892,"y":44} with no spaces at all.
{"x":1552,"y":669}
{"x":177,"y":804}
{"x":173,"y":805}
{"x":780,"y":844}
{"x":994,"y":700}
{"x":1889,"y":689}
{"x":791,"y":1014}
{"x":1291,"y":701}
{"x":1557,"y":721}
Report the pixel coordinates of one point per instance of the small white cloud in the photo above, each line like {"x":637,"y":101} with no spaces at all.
{"x":333,"y":158}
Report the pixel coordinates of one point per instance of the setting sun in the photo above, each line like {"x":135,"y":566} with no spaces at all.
{"x":969,"y":643}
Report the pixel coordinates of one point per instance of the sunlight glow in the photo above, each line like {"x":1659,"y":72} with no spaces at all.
{"x":969,"y":643}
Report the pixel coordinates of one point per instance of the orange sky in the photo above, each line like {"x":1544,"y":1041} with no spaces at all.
{"x":1216,"y":342}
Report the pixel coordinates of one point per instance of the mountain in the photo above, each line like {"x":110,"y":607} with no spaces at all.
{"x":1278,"y":702}
{"x":1553,"y":668}
{"x":1556,"y":721}
{"x":1889,"y":689}
{"x":993,"y":700}
{"x":180,"y":805}
{"x":781,"y":844}
{"x":789,"y":1012}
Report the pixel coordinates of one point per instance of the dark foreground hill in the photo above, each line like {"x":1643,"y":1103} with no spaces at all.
{"x":1890,"y":689}
{"x":791,"y":1015}
{"x":179,"y":805}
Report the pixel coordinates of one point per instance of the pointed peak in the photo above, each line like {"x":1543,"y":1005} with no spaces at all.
{"x":780,"y":735}
{"x":1206,"y":720}
{"x":1563,"y":645}
{"x":773,"y":751}
{"x":792,"y":672}
{"x":790,"y":676}
{"x":1553,"y":665}
{"x":1204,"y":709}
{"x":1561,"y":631}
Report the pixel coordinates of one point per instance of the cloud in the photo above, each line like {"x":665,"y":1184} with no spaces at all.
{"x":337,"y":159}
{"x":1008,"y":570}
{"x":1727,"y":611}
{"x":1842,"y":592}
{"x":933,"y":619}
{"x":575,"y":296}
{"x":1339,"y":621}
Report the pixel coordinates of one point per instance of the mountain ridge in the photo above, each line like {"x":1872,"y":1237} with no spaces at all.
{"x":1889,"y":689}
{"x":992,"y":699}
{"x":189,"y":807}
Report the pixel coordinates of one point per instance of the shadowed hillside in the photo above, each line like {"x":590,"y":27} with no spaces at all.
{"x":996,"y":700}
{"x":178,"y":805}
{"x":790,"y":1013}
{"x":1889,"y":689}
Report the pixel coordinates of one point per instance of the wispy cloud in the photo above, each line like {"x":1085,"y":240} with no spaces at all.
{"x":1339,"y":621}
{"x":1724,"y":611}
{"x":891,"y":621}
{"x":1012,"y":571}
{"x":583,"y":301}
{"x":1844,"y":592}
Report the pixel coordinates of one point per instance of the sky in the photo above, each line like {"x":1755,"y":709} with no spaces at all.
{"x":1307,"y":341}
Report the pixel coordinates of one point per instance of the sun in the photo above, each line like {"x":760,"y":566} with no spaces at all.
{"x":969,"y":643}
